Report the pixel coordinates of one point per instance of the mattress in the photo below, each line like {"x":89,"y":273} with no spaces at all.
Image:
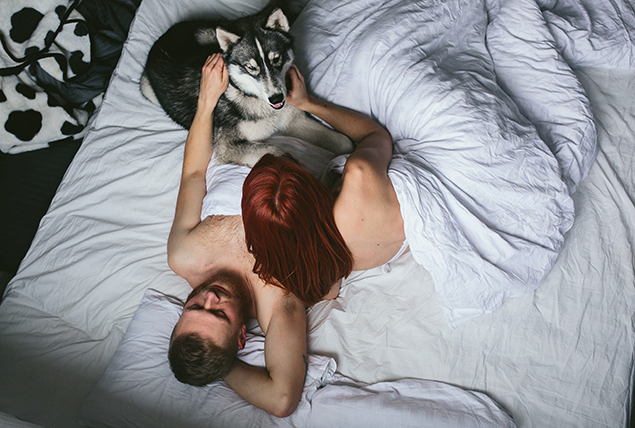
{"x":561,"y":354}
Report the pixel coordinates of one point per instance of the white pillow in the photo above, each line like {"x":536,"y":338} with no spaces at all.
{"x":139,"y":390}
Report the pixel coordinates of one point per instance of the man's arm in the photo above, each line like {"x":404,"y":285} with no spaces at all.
{"x":278,"y":389}
{"x":182,"y":256}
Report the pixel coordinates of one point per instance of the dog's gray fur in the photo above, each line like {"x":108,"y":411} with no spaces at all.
{"x":258,"y":53}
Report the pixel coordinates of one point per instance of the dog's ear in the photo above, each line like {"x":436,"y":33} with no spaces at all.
{"x":277,"y":21}
{"x":225,"y":38}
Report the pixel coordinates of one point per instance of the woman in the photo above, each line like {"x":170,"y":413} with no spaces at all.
{"x":305,"y":237}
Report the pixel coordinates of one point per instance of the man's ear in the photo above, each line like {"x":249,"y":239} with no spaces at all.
{"x":277,"y":21}
{"x":225,"y":38}
{"x":242,"y":336}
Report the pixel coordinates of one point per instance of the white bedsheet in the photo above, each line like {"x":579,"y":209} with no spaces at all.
{"x":560,"y":356}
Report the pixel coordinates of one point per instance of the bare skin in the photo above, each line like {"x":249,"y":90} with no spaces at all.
{"x":366,"y":210}
{"x":216,"y":246}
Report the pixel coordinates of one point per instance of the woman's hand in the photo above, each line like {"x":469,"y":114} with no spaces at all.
{"x":214,"y":81}
{"x":298,"y":95}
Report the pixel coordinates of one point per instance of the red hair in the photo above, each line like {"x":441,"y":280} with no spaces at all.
{"x":290,"y":229}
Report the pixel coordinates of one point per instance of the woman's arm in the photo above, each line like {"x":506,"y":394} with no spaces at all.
{"x":198,"y":152}
{"x":366,"y":211}
{"x":374,"y":142}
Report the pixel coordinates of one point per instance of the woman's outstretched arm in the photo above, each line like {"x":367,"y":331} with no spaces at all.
{"x":374,"y":144}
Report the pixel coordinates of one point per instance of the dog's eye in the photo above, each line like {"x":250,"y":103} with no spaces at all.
{"x":276,"y":59}
{"x":251,"y":68}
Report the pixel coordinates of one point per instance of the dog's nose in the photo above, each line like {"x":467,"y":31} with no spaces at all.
{"x":276,"y":99}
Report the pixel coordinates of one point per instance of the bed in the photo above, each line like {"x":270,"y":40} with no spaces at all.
{"x":85,"y":322}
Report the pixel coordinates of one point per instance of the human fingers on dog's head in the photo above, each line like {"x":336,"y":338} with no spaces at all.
{"x":215,"y":68}
{"x":214,"y":81}
{"x":224,"y":76}
{"x":296,"y":71}
{"x":221,"y":63}
{"x":207,"y":65}
{"x":213,"y":59}
{"x":296,"y":78}
{"x":293,"y":71}
{"x":297,"y":95}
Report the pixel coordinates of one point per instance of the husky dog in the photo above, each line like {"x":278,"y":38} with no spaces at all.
{"x":258,"y":53}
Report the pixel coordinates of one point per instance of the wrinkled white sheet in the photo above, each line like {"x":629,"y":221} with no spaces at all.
{"x":592,"y":33}
{"x":560,"y":356}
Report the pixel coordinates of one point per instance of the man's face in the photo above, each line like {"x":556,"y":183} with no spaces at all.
{"x":215,"y":310}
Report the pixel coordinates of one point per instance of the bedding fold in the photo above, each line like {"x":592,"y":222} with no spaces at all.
{"x":592,"y":33}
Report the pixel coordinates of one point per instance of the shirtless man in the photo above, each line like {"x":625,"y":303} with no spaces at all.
{"x":211,"y":255}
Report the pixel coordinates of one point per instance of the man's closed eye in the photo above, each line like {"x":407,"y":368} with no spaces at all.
{"x":217,"y":313}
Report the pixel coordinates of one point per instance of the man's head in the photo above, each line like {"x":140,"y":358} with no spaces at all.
{"x":206,"y":338}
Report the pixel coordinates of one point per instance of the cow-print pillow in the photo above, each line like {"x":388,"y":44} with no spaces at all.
{"x":41,"y":36}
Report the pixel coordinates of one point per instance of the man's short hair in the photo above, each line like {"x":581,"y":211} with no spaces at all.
{"x":199,"y":362}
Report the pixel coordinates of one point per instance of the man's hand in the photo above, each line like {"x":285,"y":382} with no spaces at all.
{"x":198,"y":151}
{"x":214,"y":81}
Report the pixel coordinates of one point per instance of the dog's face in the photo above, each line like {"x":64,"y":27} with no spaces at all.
{"x":257,"y":63}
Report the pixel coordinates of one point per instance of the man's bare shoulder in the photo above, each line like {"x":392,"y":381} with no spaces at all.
{"x":275,"y":304}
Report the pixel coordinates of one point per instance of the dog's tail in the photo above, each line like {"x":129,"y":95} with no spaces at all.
{"x":147,"y":91}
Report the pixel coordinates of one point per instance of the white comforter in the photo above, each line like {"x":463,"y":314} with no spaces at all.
{"x":483,"y":175}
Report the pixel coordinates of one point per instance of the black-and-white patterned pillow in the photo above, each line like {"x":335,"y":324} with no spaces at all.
{"x":47,"y":36}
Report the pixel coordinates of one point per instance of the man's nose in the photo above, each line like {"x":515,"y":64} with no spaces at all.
{"x":211,"y":300}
